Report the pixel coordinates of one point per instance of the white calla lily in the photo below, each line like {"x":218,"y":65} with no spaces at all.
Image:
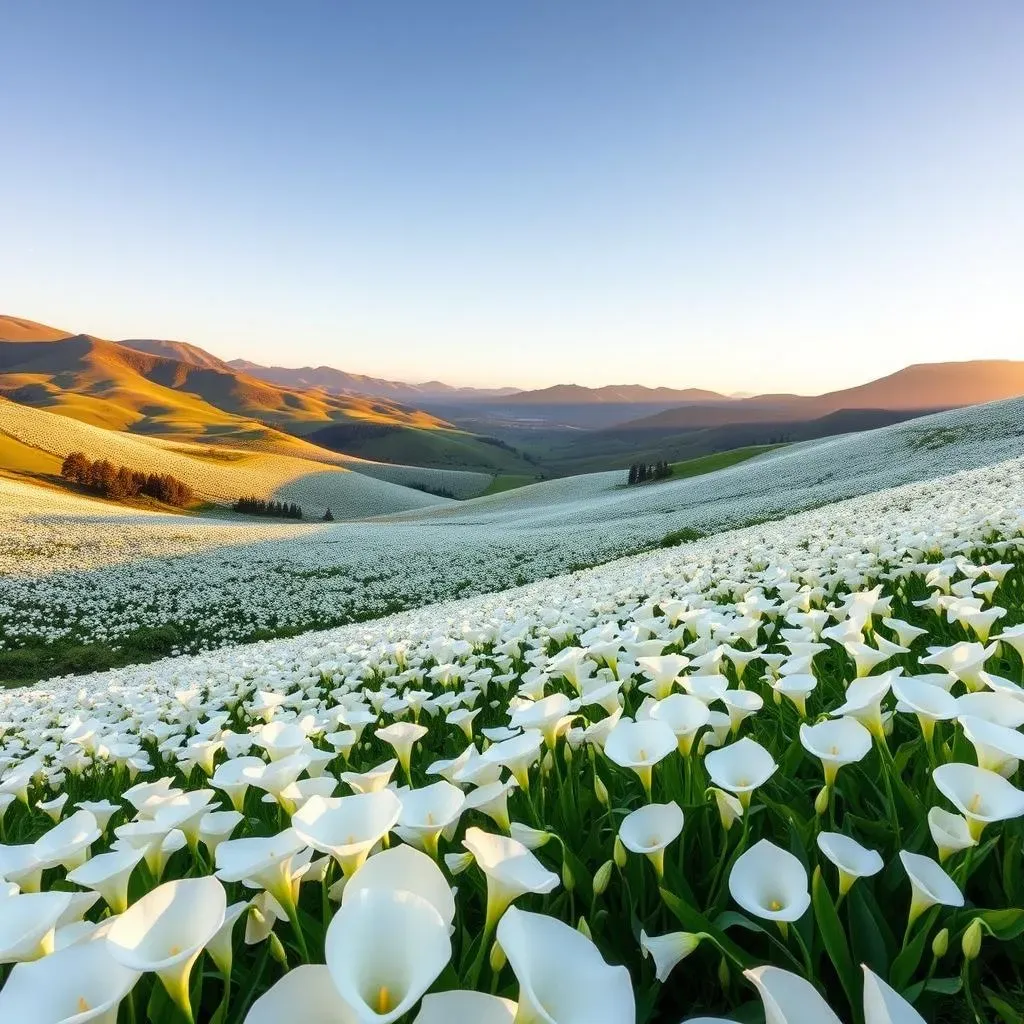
{"x":166,"y":930}
{"x":563,"y":979}
{"x":770,"y":883}
{"x":384,"y":949}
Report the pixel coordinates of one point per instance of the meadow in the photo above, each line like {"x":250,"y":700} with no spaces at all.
{"x":772,"y":768}
{"x":79,"y":573}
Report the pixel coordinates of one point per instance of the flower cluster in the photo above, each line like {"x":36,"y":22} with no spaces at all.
{"x":786,"y":757}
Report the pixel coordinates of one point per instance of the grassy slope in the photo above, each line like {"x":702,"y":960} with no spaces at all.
{"x":508,"y":482}
{"x":720,"y":460}
{"x":440,"y":449}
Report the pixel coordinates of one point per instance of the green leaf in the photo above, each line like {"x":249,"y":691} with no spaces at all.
{"x":1004,"y":924}
{"x":907,"y":962}
{"x":868,"y":932}
{"x":730,"y":918}
{"x":834,"y":938}
{"x":1007,"y":1014}
{"x":940,"y":986}
{"x":1012,"y":868}
{"x":694,"y":921}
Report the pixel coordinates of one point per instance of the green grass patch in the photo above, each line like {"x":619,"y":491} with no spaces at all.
{"x":719,"y":460}
{"x":507,"y":482}
{"x":683,"y":536}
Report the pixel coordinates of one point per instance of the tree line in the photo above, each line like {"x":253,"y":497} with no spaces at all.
{"x":253,"y":506}
{"x":120,"y":482}
{"x":641,"y":472}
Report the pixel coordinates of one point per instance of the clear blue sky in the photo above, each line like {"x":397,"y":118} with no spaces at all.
{"x":740,"y":195}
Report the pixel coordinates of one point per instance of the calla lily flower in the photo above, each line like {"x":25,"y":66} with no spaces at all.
{"x":929,"y":885}
{"x":384,"y":949}
{"x":517,"y":754}
{"x":729,"y":807}
{"x":428,"y":811}
{"x":403,"y":867}
{"x":649,"y":831}
{"x":1001,"y":707}
{"x":492,"y":799}
{"x":797,"y":688}
{"x":884,"y":1005}
{"x":262,"y":862}
{"x":28,"y":922}
{"x":347,"y":827}
{"x":101,"y":810}
{"x":770,"y":883}
{"x":231,"y":778}
{"x":221,"y":946}
{"x":108,"y":874}
{"x":640,"y":746}
{"x":981,"y":796}
{"x":551,"y":715}
{"x":72,"y":986}
{"x":563,"y":979}
{"x":305,"y":993}
{"x":668,"y":950}
{"x":864,"y":702}
{"x":741,"y":704}
{"x":836,"y":743}
{"x":280,"y":739}
{"x":663,"y":670}
{"x":372,"y":781}
{"x":465,"y":1008}
{"x":740,"y":767}
{"x":964,"y":660}
{"x":950,"y":832}
{"x":707,"y":688}
{"x":402,"y":736}
{"x":511,"y":871}
{"x":788,"y":998}
{"x":930,"y":703}
{"x":67,"y":843}
{"x":167,"y":929}
{"x":851,"y":859}
{"x":998,"y":748}
{"x":216,"y":826}
{"x":684,"y":715}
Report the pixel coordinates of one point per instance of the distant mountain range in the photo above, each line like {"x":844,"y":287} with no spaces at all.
{"x":338,"y":382}
{"x":175,"y":389}
{"x":923,"y":387}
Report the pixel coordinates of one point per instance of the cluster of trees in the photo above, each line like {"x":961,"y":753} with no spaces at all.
{"x":441,"y":492}
{"x":254,"y":506}
{"x":121,"y":482}
{"x":641,"y":472}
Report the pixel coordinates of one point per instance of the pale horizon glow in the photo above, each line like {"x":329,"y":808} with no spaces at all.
{"x":793,"y":198}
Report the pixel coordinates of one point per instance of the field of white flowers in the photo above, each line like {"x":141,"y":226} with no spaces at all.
{"x":770,"y":775}
{"x":73,"y":570}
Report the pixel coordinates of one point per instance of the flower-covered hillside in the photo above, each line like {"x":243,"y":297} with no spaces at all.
{"x":781,"y":764}
{"x":94,"y":575}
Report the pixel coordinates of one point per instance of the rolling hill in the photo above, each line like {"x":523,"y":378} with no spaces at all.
{"x":33,"y":442}
{"x":175,"y":390}
{"x":182,"y":351}
{"x":922,"y":387}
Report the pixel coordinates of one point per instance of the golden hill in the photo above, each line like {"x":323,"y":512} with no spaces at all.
{"x":34,"y":442}
{"x":113,"y":386}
